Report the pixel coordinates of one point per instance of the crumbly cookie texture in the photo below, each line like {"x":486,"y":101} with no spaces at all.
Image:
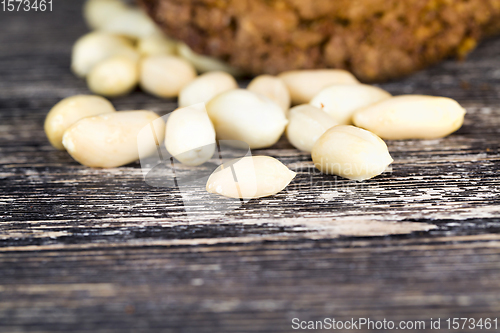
{"x":375,"y":39}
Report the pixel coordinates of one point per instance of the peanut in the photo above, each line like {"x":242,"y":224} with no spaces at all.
{"x":204,"y":63}
{"x":306,"y":125}
{"x":190,"y":136}
{"x":113,"y":77}
{"x":342,"y":100}
{"x":69,"y":111}
{"x":111,"y":140}
{"x":250,"y":177}
{"x":411,"y":117}
{"x":246,"y":116}
{"x":205,"y":87}
{"x":156,"y":44}
{"x":98,"y":12}
{"x":303,"y":85}
{"x":272,"y":87}
{"x":95,"y":47}
{"x":165,"y":76}
{"x":351,"y":152}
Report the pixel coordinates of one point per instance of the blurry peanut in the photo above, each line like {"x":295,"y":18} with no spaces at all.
{"x":96,"y":47}
{"x":303,"y":85}
{"x":204,"y":63}
{"x":114,"y":76}
{"x":156,"y":44}
{"x":98,"y":12}
{"x":132,"y":22}
{"x":165,"y":76}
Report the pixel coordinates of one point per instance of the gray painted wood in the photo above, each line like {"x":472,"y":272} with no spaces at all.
{"x":99,"y":250}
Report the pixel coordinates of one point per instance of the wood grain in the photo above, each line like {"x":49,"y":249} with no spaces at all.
{"x":100,"y":250}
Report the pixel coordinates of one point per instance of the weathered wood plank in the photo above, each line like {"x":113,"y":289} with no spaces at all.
{"x":99,"y":250}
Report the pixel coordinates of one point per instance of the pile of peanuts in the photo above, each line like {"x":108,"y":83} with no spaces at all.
{"x":340,"y":121}
{"x":126,"y":49}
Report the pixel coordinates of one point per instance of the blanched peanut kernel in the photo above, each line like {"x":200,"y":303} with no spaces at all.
{"x":113,"y":77}
{"x":205,"y":87}
{"x":351,"y":152}
{"x":110,"y":140}
{"x":342,"y":100}
{"x":246,"y":116}
{"x":156,"y":44}
{"x":256,"y":177}
{"x":272,"y":87}
{"x":98,"y":12}
{"x":131,"y":22}
{"x":165,"y":76}
{"x":69,"y":111}
{"x":95,"y":47}
{"x":190,"y":136}
{"x":204,"y":63}
{"x":306,"y":124}
{"x":411,"y":117}
{"x":303,"y":85}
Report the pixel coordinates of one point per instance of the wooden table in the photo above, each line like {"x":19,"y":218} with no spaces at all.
{"x":88,"y":250}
